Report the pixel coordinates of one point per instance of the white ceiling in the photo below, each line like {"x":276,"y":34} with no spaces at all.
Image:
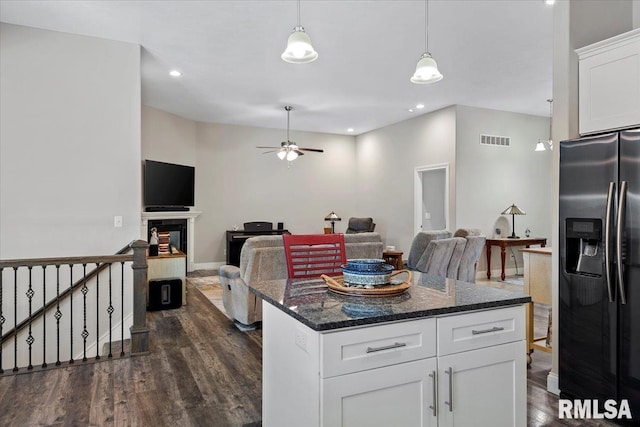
{"x":494,"y":54}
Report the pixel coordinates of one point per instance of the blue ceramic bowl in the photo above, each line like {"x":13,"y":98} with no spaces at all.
{"x":367,"y":265}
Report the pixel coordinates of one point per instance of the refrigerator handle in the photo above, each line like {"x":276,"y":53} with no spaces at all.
{"x":620,"y":225}
{"x":607,"y":240}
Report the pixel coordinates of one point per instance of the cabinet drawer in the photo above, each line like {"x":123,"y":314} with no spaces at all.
{"x":371,"y":347}
{"x":480,"y":329}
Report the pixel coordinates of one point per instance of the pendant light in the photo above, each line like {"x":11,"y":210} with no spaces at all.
{"x":427,"y":68}
{"x":299,"y":49}
{"x":540,"y":145}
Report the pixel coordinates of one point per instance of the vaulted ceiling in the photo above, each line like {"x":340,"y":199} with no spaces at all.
{"x":493,"y":53}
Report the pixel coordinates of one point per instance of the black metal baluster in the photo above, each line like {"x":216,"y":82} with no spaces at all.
{"x":84,"y":291}
{"x":15,"y":319}
{"x":122,"y":309}
{"x":30,"y":339}
{"x":98,"y":312}
{"x":71,"y":313}
{"x":44,"y":316}
{"x":109,"y":310}
{"x":1,"y":321}
{"x":58,"y":315}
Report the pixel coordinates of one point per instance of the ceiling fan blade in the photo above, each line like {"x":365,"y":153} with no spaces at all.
{"x":275,"y":148}
{"x":300,"y":153}
{"x":315,"y":150}
{"x":270,"y":151}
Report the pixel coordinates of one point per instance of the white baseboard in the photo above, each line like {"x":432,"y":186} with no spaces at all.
{"x":552,"y":383}
{"x":208,"y":265}
{"x":495,"y":274}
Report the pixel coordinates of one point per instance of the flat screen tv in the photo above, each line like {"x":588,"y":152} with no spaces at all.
{"x":168,"y":186}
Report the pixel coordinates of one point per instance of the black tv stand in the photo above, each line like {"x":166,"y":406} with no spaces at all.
{"x":166,"y":209}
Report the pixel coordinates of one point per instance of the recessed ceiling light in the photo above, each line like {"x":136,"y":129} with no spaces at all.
{"x":175,"y":73}
{"x":410,"y":110}
{"x":549,"y":2}
{"x":350,"y":130}
{"x":419,"y":106}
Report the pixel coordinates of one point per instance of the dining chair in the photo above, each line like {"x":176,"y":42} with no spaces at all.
{"x":311,"y":255}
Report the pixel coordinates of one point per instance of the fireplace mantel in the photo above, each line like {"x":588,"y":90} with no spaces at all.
{"x":190,"y":216}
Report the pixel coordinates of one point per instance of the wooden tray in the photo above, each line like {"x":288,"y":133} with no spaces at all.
{"x":336,"y":284}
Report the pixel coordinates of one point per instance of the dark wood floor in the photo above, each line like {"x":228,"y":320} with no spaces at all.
{"x":202,"y":371}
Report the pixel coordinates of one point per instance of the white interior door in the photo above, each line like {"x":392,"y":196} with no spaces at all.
{"x":431,"y":197}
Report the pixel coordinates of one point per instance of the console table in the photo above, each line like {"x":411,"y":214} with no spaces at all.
{"x":236,"y":239}
{"x":504,"y":242}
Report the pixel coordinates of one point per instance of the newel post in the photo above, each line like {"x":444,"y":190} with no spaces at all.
{"x":139,"y":330}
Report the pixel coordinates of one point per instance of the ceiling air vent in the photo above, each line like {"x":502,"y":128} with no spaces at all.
{"x":499,"y":141}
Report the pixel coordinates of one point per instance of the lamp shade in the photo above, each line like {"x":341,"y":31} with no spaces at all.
{"x":299,"y":49}
{"x":513,"y":210}
{"x":540,"y":146}
{"x":332,"y":216}
{"x":426,"y":70}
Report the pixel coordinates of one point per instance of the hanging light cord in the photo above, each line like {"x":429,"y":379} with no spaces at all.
{"x":550,"y":101}
{"x":288,"y":110}
{"x":298,"y":13}
{"x":426,"y":26}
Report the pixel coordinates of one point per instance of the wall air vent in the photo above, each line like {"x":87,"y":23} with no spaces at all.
{"x":499,"y":141}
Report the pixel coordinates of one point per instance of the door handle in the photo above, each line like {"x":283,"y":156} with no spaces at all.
{"x":432,"y":375}
{"x":607,"y":239}
{"x":486,"y":331}
{"x":450,"y":402}
{"x":386,"y":347}
{"x":622,"y":202}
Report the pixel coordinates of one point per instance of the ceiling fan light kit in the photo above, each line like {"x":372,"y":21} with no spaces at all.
{"x":288,"y":149}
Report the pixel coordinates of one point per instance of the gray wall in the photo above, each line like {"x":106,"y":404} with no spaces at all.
{"x":69,"y":143}
{"x":236,"y":183}
{"x":490,"y":178}
{"x":386,"y":162}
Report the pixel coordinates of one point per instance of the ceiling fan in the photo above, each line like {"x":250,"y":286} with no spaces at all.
{"x":288,"y":149}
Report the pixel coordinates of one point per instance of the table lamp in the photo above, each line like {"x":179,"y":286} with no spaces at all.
{"x":513,"y":210}
{"x":333,"y":218}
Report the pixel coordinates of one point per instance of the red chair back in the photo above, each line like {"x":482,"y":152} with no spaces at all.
{"x":311,"y":255}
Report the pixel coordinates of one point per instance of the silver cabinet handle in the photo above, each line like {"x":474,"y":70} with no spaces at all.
{"x":433,"y":407}
{"x":622,"y":201}
{"x":386,"y":347}
{"x":450,"y":402}
{"x":607,"y":239}
{"x":486,"y":331}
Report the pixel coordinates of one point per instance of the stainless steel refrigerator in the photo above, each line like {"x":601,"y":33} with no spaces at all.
{"x":599,"y":283}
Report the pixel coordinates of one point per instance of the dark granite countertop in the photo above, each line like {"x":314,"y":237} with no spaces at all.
{"x":312,"y":303}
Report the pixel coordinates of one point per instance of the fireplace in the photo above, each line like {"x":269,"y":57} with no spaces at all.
{"x":177,"y":229}
{"x":182,"y":223}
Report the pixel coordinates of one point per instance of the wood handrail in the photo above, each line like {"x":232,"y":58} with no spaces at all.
{"x":104,"y":262}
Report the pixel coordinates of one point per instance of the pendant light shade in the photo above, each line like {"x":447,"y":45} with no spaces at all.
{"x":299,"y":49}
{"x":427,"y":68}
{"x":540,"y":146}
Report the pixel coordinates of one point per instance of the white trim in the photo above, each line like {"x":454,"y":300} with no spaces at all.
{"x":552,"y":383}
{"x":417,"y":194}
{"x":208,"y":265}
{"x":608,"y":44}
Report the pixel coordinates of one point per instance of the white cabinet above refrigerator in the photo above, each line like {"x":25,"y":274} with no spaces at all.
{"x":609,"y":84}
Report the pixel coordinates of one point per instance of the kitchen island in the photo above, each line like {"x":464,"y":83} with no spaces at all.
{"x":443,"y":353}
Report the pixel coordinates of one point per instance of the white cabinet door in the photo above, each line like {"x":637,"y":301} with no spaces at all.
{"x":484,"y":387}
{"x":609,"y":84}
{"x":399,"y":395}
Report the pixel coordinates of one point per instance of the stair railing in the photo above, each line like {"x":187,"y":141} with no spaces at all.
{"x":121,"y":299}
